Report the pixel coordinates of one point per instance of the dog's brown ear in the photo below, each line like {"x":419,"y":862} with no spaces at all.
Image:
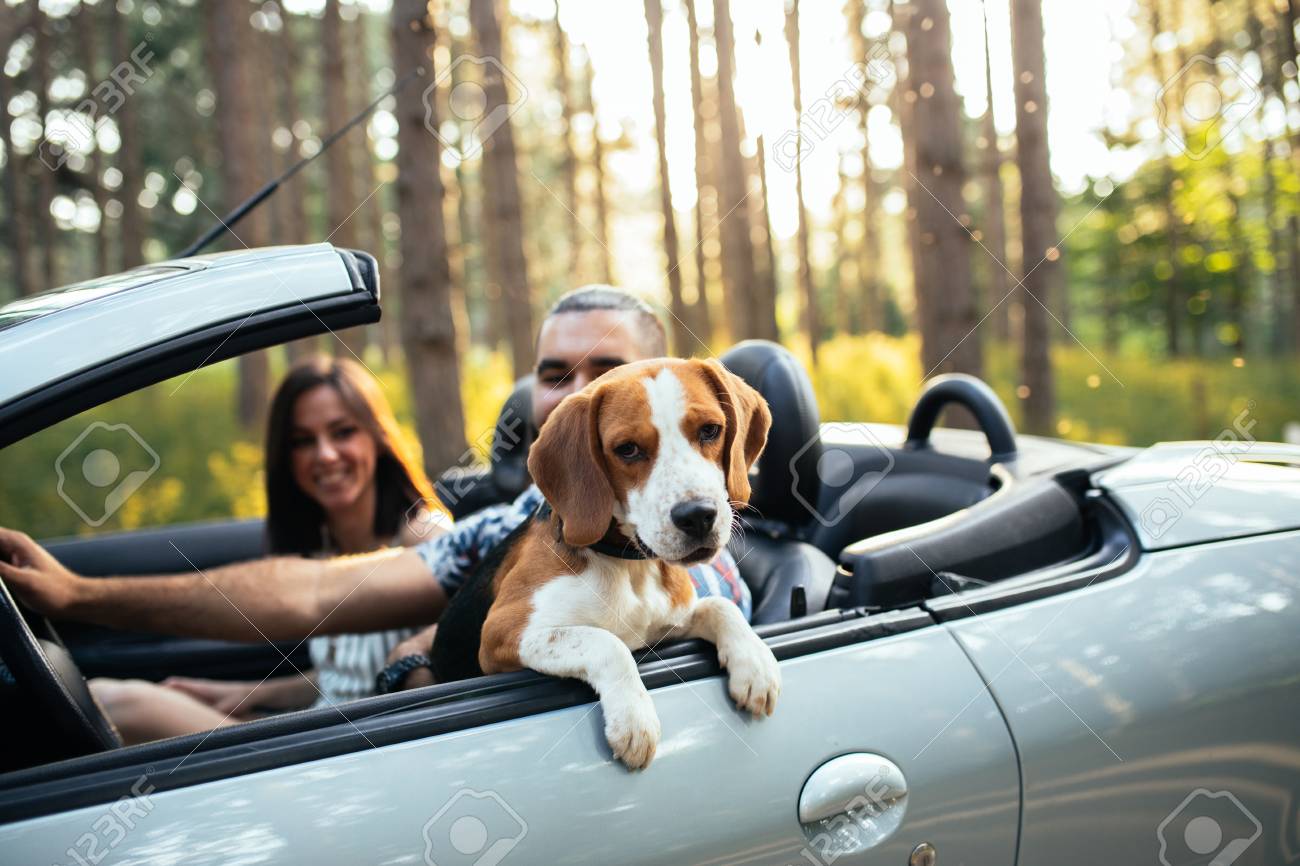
{"x":748,"y":420}
{"x":569,"y":469}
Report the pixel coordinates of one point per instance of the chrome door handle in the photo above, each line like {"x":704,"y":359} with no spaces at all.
{"x":852,"y":803}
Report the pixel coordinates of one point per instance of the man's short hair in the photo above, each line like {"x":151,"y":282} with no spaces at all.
{"x":654,"y":340}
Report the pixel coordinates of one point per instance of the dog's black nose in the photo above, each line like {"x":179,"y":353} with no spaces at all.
{"x":694,"y":517}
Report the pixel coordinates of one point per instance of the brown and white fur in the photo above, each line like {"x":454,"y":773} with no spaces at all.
{"x":614,"y":461}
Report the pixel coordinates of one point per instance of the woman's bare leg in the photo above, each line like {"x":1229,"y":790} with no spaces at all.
{"x":145,"y":711}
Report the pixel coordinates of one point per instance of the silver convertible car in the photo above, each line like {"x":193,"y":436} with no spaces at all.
{"x":996,"y":649}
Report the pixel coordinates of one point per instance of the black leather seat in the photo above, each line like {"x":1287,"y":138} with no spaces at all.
{"x":772,"y":555}
{"x":514,"y":434}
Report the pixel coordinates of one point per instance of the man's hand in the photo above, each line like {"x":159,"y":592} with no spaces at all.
{"x":280,"y":598}
{"x":37,"y":578}
{"x":419,"y":644}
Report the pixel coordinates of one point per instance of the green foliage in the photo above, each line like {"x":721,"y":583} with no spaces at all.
{"x":212,"y":469}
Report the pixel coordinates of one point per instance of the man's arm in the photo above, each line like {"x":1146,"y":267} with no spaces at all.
{"x":282,"y":598}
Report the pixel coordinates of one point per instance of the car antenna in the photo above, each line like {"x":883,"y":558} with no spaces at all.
{"x":228,"y":222}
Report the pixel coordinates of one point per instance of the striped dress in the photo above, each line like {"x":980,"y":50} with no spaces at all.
{"x":347,"y":664}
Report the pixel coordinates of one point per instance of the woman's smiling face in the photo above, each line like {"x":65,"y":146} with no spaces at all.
{"x":333,"y":456}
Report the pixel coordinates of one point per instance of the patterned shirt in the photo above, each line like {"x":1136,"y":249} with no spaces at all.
{"x":452,"y":556}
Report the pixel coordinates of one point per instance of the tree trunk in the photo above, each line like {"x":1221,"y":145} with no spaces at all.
{"x":871,"y":312}
{"x":502,"y":203}
{"x":130,"y":153}
{"x":341,"y":195}
{"x":46,"y":231}
{"x":847,"y":304}
{"x":1290,"y":17}
{"x":1174,"y":305}
{"x":739,"y":278}
{"x":1243,"y":270}
{"x":811,"y":316}
{"x":16,"y":223}
{"x":569,"y":160}
{"x":428,"y":332}
{"x":232,"y":65}
{"x":683,"y":342}
{"x":598,"y":188}
{"x":1112,"y":289}
{"x":942,"y":266}
{"x":764,"y":293}
{"x":291,"y":225}
{"x":902,"y":101}
{"x":1270,"y":85}
{"x":765,"y":263}
{"x":87,"y":30}
{"x":1038,"y":207}
{"x":702,"y":317}
{"x":995,"y":218}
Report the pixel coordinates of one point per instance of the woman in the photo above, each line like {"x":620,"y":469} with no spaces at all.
{"x":338,"y":480}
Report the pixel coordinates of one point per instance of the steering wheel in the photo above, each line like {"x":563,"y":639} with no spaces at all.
{"x":976,"y":396}
{"x":46,"y":672}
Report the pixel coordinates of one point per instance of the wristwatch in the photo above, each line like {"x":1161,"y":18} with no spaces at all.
{"x":390,"y":679}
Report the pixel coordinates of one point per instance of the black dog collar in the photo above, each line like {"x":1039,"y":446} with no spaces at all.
{"x":618,"y":547}
{"x":624,"y":548}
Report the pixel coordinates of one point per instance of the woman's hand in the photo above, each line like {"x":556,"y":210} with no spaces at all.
{"x":243,"y":699}
{"x":418,"y":644}
{"x":36,"y":577}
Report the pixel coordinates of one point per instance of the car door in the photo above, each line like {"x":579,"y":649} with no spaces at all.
{"x":1155,"y":712}
{"x":885,"y":714}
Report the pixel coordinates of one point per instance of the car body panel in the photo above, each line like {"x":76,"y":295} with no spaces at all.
{"x":219,"y":307}
{"x":1182,"y":493}
{"x":722,"y":789}
{"x":1162,"y":688}
{"x":84,"y":327}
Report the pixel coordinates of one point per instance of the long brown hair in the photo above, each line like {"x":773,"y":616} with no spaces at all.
{"x":293,"y":519}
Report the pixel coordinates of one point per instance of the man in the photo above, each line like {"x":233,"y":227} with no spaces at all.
{"x":587,"y":332}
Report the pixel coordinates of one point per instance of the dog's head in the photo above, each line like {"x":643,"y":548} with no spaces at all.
{"x":662,"y":448}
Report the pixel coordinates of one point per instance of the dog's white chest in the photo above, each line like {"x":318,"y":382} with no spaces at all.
{"x":625,"y":598}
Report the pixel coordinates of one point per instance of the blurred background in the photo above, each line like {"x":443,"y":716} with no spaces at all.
{"x":1094,"y":206}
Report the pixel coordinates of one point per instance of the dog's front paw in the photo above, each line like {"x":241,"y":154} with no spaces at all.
{"x":754,"y":677}
{"x":631,"y":727}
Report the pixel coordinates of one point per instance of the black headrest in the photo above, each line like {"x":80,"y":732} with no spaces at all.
{"x":787,"y":470}
{"x":514,"y":433}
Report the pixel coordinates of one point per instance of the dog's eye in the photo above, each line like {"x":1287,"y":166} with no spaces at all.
{"x":628,"y":451}
{"x":710,"y":432}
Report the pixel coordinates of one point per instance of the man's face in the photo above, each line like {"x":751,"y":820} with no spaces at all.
{"x":574,"y":348}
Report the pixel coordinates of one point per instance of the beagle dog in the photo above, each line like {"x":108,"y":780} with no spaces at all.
{"x":640,"y":471}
